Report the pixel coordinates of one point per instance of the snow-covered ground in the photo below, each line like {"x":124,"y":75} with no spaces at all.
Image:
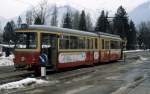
{"x":24,"y":83}
{"x":6,"y":61}
{"x":138,"y":50}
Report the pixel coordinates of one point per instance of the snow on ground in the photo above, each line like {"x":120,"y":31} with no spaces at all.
{"x":143,"y":58}
{"x":23,"y":83}
{"x":139,"y":50}
{"x":6,"y":61}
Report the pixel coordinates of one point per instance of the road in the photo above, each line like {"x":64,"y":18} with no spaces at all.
{"x":113,"y":78}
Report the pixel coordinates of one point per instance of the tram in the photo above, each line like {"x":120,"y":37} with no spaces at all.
{"x":64,"y":47}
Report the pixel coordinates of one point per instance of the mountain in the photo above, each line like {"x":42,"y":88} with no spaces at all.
{"x":2,"y":22}
{"x":62,"y":10}
{"x":141,"y":13}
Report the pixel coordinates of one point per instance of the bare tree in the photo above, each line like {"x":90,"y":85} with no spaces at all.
{"x":41,"y":11}
{"x":54,"y":21}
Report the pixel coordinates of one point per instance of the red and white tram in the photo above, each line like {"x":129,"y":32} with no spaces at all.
{"x":64,"y":47}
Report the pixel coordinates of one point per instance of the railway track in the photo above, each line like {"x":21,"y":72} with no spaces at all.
{"x":14,"y":76}
{"x":10,"y":75}
{"x":67,"y":76}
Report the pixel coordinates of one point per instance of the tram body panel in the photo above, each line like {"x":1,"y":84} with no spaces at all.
{"x":115,"y":54}
{"x":26,"y":58}
{"x":72,"y":59}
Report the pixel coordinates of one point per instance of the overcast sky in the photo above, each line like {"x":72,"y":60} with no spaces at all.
{"x":12,"y":8}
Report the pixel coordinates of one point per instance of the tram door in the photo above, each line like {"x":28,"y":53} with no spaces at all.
{"x":49,"y":45}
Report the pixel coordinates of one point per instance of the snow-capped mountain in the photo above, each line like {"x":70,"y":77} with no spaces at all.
{"x":141,"y":13}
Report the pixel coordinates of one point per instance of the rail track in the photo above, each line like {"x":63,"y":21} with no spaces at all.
{"x":68,"y":75}
{"x":80,"y":73}
{"x":14,"y":76}
{"x":9,"y":75}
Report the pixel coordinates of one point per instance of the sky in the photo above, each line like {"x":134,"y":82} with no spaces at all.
{"x":13,"y":8}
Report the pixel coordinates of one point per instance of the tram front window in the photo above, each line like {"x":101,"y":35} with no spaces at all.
{"x":27,"y":40}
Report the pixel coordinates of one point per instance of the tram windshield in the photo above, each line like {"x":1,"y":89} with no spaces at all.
{"x":26,"y":40}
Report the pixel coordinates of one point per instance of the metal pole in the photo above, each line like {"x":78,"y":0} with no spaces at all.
{"x":43,"y":72}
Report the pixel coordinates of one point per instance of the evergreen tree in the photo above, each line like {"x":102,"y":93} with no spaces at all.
{"x":13,"y":24}
{"x":54,"y":21}
{"x":120,"y":23}
{"x":82,"y":22}
{"x":144,"y":36}
{"x":9,"y":33}
{"x":19,"y":21}
{"x":38,"y":21}
{"x":67,"y":23}
{"x":102,"y":24}
{"x":75,"y":21}
{"x":131,"y":38}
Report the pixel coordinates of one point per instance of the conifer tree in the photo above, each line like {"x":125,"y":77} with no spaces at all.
{"x":82,"y":22}
{"x":102,"y":24}
{"x":120,"y":23}
{"x":9,"y":32}
{"x":67,"y":22}
{"x":131,"y":38}
{"x":38,"y":21}
{"x":144,"y":36}
{"x":19,"y":21}
{"x":75,"y":20}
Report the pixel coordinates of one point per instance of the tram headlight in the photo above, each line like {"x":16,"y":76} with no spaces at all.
{"x":22,"y":59}
{"x":33,"y":60}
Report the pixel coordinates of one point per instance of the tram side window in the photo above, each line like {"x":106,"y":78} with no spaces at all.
{"x":106,"y":44}
{"x":48,"y":40}
{"x":81,"y":43}
{"x":115,"y":44}
{"x":95,"y":43}
{"x":88,"y":43}
{"x":103,"y":44}
{"x":64,"y":42}
{"x":91,"y":43}
{"x":26,"y":40}
{"x":73,"y":42}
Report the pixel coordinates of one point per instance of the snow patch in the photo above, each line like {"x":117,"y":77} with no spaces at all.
{"x":139,"y":50}
{"x":143,"y":58}
{"x":113,"y":77}
{"x":23,"y":83}
{"x":7,"y":61}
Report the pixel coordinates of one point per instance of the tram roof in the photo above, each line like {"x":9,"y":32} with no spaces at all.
{"x":70,"y":31}
{"x":61,"y":30}
{"x":109,"y":35}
